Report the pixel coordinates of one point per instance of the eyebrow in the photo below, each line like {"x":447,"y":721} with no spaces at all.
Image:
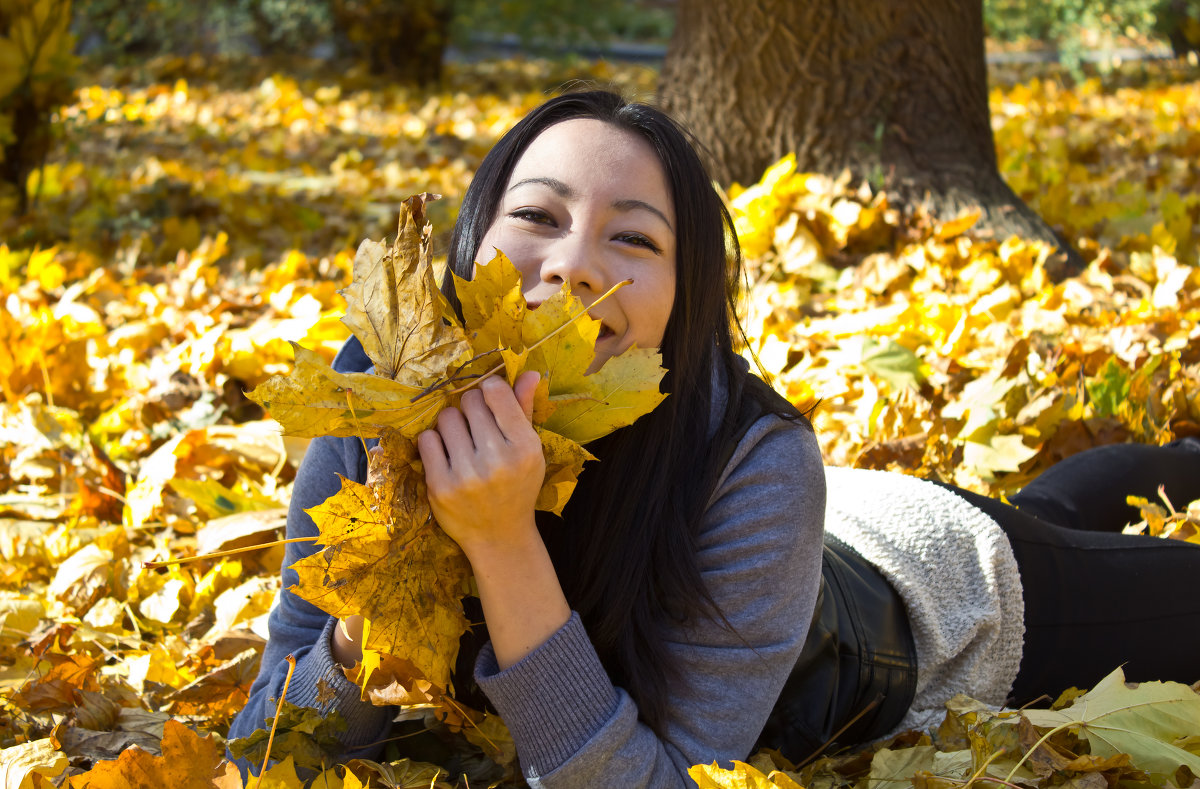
{"x":562,"y":190}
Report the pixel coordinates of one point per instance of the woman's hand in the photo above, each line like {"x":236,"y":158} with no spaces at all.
{"x":484,"y":466}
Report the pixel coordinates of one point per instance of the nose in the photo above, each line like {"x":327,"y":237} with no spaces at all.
{"x":574,"y":259}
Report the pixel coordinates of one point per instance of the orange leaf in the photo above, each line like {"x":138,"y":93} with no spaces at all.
{"x":958,"y":226}
{"x":188,"y":761}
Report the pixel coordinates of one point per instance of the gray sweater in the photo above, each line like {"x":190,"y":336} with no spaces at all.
{"x":760,"y":558}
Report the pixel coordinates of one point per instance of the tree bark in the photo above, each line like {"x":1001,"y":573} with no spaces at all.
{"x":895,"y":91}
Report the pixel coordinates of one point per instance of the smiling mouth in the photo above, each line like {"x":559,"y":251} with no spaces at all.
{"x":606,"y":331}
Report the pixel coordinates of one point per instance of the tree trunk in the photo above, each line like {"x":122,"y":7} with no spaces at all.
{"x":403,"y":39}
{"x":895,"y":91}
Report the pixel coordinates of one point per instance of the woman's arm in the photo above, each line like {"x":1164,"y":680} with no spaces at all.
{"x":760,"y":555}
{"x":299,"y":628}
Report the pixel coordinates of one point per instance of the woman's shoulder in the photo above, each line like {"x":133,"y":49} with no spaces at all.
{"x":327,"y":456}
{"x":772,"y":484}
{"x":777,"y":444}
{"x":769,"y":436}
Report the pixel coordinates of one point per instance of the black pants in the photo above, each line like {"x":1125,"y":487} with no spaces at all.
{"x":1096,"y":599}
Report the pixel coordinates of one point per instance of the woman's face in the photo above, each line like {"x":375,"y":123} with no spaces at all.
{"x":588,"y":204}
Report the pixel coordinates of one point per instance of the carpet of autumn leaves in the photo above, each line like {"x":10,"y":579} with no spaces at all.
{"x":198,"y":214}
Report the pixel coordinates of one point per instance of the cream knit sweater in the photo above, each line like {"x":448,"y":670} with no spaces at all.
{"x":955,"y":571}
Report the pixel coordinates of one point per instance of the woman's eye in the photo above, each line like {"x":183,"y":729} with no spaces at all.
{"x":532,"y":215}
{"x":638,"y":239}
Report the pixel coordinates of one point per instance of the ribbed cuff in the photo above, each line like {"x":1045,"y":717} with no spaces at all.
{"x":554,"y":699}
{"x":365,"y":722}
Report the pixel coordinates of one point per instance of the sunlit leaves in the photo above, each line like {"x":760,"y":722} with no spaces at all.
{"x":1131,"y":735}
{"x":557,"y":339}
{"x":402,"y":573}
{"x":940,"y":354}
{"x":401,"y":327}
{"x":306,"y":735}
{"x":742,"y":776}
{"x":21,"y":765}
{"x":200,"y":212}
{"x":1142,"y":722}
{"x":314,"y":400}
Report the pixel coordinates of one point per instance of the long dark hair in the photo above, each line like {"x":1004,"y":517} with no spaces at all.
{"x":626,"y":554}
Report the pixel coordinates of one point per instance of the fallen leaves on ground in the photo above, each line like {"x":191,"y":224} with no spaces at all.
{"x":1141,"y":735}
{"x":198,"y":213}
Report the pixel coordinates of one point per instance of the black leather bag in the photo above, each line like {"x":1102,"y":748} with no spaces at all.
{"x":856,"y":677}
{"x":857,"y":674}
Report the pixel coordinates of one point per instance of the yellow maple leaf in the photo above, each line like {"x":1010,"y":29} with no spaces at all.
{"x":493,"y":305}
{"x":400,"y":774}
{"x":742,"y":776}
{"x":280,"y":776}
{"x":564,"y":462}
{"x":614,"y":397}
{"x":394,"y":306}
{"x":559,"y":341}
{"x":566,"y":359}
{"x":316,"y":400}
{"x":404,"y":574}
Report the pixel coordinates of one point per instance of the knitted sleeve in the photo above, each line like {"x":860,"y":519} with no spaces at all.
{"x":298,"y":628}
{"x":760,"y":557}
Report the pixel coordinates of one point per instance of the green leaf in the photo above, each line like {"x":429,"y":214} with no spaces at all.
{"x":887,"y":360}
{"x":1109,"y":388}
{"x":306,"y":734}
{"x":892,"y":362}
{"x":1141,"y":721}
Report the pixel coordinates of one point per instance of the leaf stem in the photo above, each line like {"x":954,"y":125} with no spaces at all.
{"x":453,"y":376}
{"x":354,"y":416}
{"x":463,"y":714}
{"x":218,"y":554}
{"x":291,"y":659}
{"x":583,"y":311}
{"x":137,"y":630}
{"x":983,"y":767}
{"x":987,"y":778}
{"x":1000,"y":781}
{"x":1036,"y":745}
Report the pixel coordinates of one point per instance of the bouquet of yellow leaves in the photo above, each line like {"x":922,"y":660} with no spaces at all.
{"x":384,"y":556}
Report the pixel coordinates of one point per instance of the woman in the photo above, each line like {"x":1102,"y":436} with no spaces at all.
{"x":657,"y":625}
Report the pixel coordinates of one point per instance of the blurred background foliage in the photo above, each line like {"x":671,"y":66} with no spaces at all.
{"x":1071,"y":27}
{"x":119,"y":28}
{"x":42,"y":41}
{"x":36,"y":70}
